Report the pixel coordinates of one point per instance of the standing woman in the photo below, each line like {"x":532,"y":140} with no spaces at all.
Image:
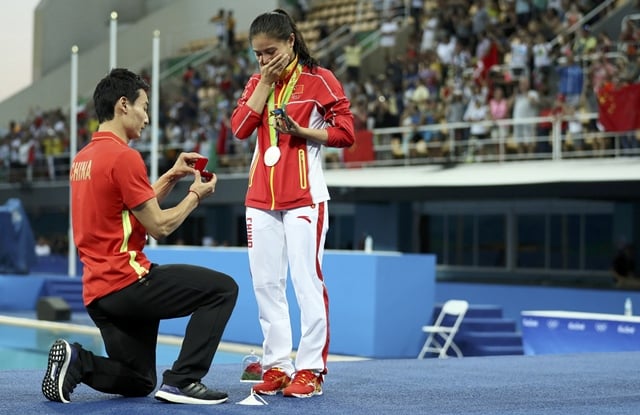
{"x":297,"y":107}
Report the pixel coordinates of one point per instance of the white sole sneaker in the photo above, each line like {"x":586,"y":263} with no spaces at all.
{"x":194,"y":394}
{"x":57,"y":366}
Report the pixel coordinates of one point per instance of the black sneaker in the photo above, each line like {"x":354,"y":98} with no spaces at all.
{"x":196,"y":393}
{"x":63,"y":372}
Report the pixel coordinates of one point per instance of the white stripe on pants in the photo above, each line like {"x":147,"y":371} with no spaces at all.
{"x":279,"y":240}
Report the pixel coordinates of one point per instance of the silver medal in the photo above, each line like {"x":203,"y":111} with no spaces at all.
{"x":271,"y":156}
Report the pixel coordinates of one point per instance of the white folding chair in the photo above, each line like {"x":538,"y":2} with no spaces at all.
{"x":444,"y":329}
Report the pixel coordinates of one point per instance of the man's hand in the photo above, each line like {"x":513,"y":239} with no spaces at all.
{"x":184,"y":165}
{"x":203,"y":188}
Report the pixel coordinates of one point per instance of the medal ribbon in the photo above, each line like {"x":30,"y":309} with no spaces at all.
{"x":283,"y":99}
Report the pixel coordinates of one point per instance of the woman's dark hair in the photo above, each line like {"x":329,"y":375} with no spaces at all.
{"x":279,"y":25}
{"x":118,"y":83}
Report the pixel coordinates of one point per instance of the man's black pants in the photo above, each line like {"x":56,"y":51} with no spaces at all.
{"x":129,"y":320}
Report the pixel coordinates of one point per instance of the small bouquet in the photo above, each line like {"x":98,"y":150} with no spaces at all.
{"x":251,"y":368}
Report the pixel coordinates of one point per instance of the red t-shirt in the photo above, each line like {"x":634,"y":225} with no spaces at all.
{"x":108,"y":179}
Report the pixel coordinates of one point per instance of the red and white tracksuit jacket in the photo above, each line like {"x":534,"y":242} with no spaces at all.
{"x":317,"y":101}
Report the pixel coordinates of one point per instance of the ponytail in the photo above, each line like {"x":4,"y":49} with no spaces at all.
{"x":279,"y":25}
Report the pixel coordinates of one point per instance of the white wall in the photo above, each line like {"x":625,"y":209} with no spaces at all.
{"x":61,"y":24}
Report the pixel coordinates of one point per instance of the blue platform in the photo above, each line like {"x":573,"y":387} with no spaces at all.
{"x":557,"y":331}
{"x":377,"y":302}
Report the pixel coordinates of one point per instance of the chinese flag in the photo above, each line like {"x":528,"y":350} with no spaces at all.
{"x":489,"y":59}
{"x":619,"y":108}
{"x":361,"y":150}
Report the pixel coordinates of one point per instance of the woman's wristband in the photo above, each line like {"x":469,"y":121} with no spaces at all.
{"x":195,"y":193}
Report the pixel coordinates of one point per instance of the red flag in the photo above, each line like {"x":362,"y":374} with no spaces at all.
{"x":619,"y":108}
{"x":490,"y":58}
{"x":32,"y":154}
{"x":221,"y":145}
{"x":361,"y":150}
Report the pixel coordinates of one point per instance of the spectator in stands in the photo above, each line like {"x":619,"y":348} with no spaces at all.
{"x":476,"y":113}
{"x":525,"y":105}
{"x":411,"y":118}
{"x":601,"y":70}
{"x":416,"y":12}
{"x":303,"y":9}
{"x":481,"y":19}
{"x":499,"y":110}
{"x":5,"y":153}
{"x":523,"y":12}
{"x":538,"y":7}
{"x":27,"y":155}
{"x":445,"y":50}
{"x":388,"y":32}
{"x":429,"y":31}
{"x":542,"y":60}
{"x":353,"y":59}
{"x":230,"y":25}
{"x":629,"y":37}
{"x":289,"y":145}
{"x":509,"y":21}
{"x":125,"y":294}
{"x":557,"y":6}
{"x":463,"y":28}
{"x":360,"y":114}
{"x":632,"y":70}
{"x":454,"y":113}
{"x":433,"y":115}
{"x":551,"y":23}
{"x":604,"y":42}
{"x":420,"y":95}
{"x":15,"y":141}
{"x":520,"y":52}
{"x":394,"y":84}
{"x":383,"y":114}
{"x":572,"y":16}
{"x":559,"y":109}
{"x":323,"y":29}
{"x":548,"y":109}
{"x":460,"y":62}
{"x":42,"y":247}
{"x":623,"y":267}
{"x":571,"y":80}
{"x":53,"y":149}
{"x":574,"y":132}
{"x":220,"y":27}
{"x":584,"y":42}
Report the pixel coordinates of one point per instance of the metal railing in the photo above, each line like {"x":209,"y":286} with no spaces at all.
{"x":453,"y":143}
{"x":449,"y":143}
{"x":581,"y":22}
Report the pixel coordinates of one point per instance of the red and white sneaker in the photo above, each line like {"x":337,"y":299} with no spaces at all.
{"x":273,"y":381}
{"x":305,"y":384}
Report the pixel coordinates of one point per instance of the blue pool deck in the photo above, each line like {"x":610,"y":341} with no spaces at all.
{"x":25,"y":342}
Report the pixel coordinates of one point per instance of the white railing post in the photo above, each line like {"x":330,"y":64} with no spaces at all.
{"x":73,"y":146}
{"x":452,"y":143}
{"x":113,"y":40}
{"x":501,"y":142}
{"x":556,"y":128}
{"x":155,"y":110}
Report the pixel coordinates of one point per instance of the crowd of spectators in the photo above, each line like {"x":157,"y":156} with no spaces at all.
{"x":487,"y":60}
{"x":465,"y":61}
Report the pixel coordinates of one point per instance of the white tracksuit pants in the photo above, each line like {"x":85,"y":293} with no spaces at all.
{"x":278,"y":240}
